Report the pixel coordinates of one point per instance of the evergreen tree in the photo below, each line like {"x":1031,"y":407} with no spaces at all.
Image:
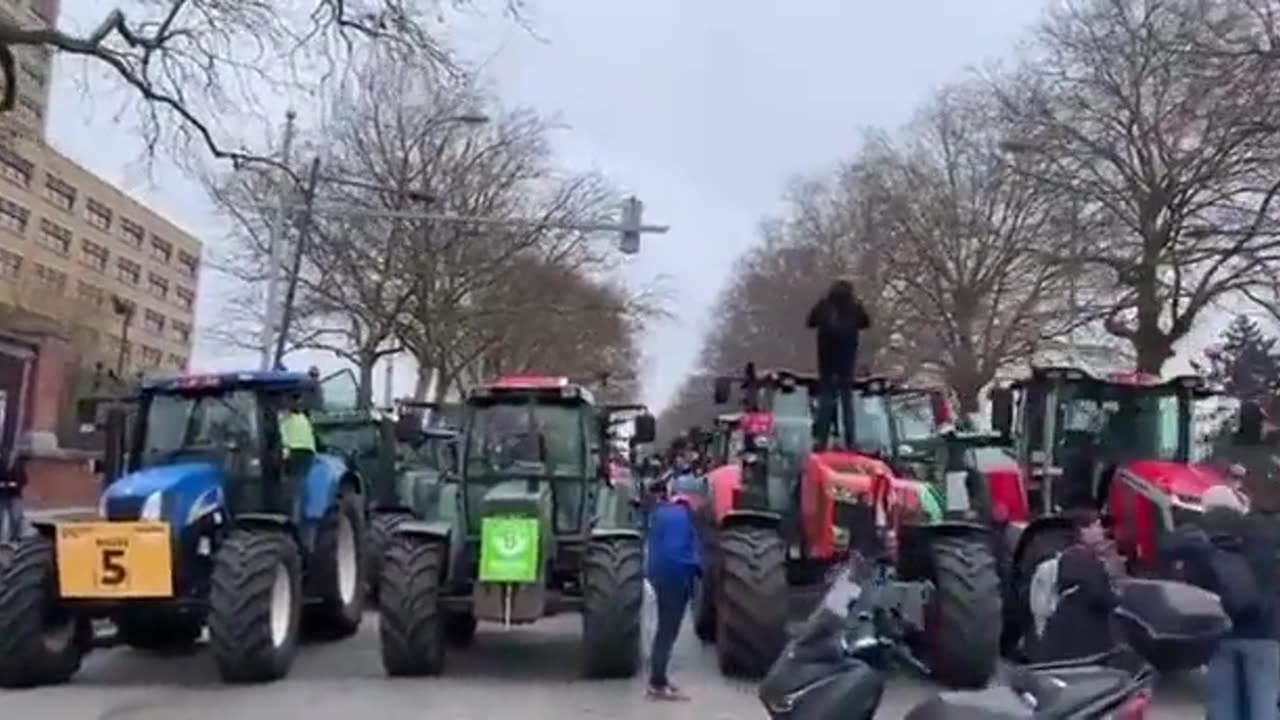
{"x":1246,"y":362}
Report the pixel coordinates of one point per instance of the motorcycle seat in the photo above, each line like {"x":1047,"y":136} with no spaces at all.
{"x":998,"y":702}
{"x":1063,"y":691}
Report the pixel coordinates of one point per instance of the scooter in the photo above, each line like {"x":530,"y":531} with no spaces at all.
{"x":836,"y":666}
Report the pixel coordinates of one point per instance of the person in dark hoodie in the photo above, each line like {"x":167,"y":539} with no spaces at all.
{"x":1081,"y":621}
{"x":1231,"y":552}
{"x":839,"y":319}
{"x":13,"y":481}
{"x":673,"y":566}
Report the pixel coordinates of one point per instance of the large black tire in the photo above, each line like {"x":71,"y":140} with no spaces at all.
{"x":612,"y":603}
{"x":255,"y":604}
{"x":752,"y":601}
{"x":381,"y":527}
{"x":964,"y":621}
{"x":39,"y":645}
{"x":704,"y":609}
{"x":160,"y":631}
{"x":1017,"y":612}
{"x":411,"y":622}
{"x":336,"y":572}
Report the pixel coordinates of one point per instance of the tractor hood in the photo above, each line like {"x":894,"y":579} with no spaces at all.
{"x":849,"y":476}
{"x":178,"y":487}
{"x":1186,"y":482}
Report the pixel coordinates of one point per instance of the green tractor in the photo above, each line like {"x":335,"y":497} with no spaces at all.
{"x":537,"y":524}
{"x":404,"y":469}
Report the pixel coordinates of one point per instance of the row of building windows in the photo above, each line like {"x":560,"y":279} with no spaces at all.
{"x":59,"y":239}
{"x":154,"y":322}
{"x":62,"y":195}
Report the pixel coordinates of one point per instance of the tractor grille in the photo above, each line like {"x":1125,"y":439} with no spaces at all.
{"x":860,"y":522}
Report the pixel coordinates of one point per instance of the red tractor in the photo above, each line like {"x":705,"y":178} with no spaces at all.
{"x":780,"y":515}
{"x":1122,"y":444}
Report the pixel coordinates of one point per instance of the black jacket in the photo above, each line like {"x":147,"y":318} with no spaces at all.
{"x":1081,"y":625}
{"x":839,"y":321}
{"x":1254,"y":533}
{"x":14,"y":477}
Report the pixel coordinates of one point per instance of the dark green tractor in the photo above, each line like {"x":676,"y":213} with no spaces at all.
{"x":538,"y":522}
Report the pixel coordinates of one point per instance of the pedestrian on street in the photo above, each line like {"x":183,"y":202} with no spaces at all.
{"x":1231,"y":552}
{"x":673,"y":566}
{"x":1073,"y":597}
{"x":838,"y":318}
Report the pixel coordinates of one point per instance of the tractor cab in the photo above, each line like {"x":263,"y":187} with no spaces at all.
{"x":727,"y":439}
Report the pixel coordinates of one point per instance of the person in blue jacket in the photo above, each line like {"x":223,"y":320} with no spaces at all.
{"x":673,"y":565}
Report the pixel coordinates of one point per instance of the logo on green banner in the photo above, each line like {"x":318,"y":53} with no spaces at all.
{"x":508,"y":550}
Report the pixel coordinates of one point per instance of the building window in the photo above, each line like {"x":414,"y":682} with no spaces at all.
{"x":128,"y":271}
{"x":161,"y":249}
{"x":91,"y":294}
{"x":59,"y":192}
{"x":157,"y":285}
{"x":31,"y":107}
{"x":93,"y":255}
{"x":186,"y":298}
{"x":13,"y":216}
{"x":178,"y":362}
{"x":10,"y":264}
{"x":97,"y":214}
{"x":53,"y":279}
{"x":55,"y":237}
{"x":131,"y":232}
{"x":15,"y":168}
{"x":188,"y":264}
{"x":181,"y":332}
{"x":153,"y":322}
{"x":151,"y":357}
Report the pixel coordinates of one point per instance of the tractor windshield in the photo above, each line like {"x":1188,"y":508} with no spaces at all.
{"x":794,"y":413}
{"x":177,"y":424}
{"x":1129,"y":423}
{"x":359,"y":440}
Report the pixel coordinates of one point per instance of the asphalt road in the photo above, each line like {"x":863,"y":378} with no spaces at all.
{"x":521,"y":674}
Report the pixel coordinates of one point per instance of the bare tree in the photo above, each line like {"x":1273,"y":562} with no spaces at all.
{"x":195,"y":69}
{"x":972,"y":248}
{"x":1171,"y":152}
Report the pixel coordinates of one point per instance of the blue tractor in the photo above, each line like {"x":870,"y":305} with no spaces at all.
{"x":205,"y":523}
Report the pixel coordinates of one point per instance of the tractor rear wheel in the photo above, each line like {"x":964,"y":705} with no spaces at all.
{"x":160,"y":631}
{"x":752,"y":600}
{"x":613,"y":598}
{"x":963,"y":624}
{"x":39,"y":644}
{"x":411,"y":622}
{"x":337,"y":571}
{"x":381,"y":527}
{"x":255,"y":604}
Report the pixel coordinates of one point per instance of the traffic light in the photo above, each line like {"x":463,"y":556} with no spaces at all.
{"x":629,"y":240}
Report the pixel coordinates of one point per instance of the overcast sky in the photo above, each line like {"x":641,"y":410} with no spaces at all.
{"x":702,"y":108}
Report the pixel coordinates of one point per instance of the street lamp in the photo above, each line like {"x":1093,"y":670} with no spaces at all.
{"x":125,"y":309}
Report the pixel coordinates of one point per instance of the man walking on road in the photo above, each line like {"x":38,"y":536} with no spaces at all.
{"x":839,"y":318}
{"x":674,"y":565}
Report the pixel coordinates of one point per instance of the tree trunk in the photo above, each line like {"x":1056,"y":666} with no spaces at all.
{"x":364,"y":375}
{"x":1152,"y":351}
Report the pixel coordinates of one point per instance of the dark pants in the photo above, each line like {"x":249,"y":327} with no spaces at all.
{"x":833,"y":389}
{"x":673,"y":599}
{"x":1242,"y":680}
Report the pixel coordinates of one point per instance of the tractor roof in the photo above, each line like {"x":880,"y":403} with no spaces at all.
{"x":531,"y":385}
{"x":278,"y":380}
{"x":1134,"y":380}
{"x":875,"y":383}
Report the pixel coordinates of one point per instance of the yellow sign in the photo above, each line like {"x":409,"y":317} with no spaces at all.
{"x":112,"y":560}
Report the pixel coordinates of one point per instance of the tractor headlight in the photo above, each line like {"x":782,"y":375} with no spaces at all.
{"x":152,"y":508}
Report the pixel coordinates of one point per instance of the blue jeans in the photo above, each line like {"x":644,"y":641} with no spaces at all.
{"x":1244,"y":680}
{"x":673,"y":598}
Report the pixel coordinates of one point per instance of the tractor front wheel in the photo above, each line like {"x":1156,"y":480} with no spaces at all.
{"x":337,"y":571}
{"x":39,"y":643}
{"x":613,"y":597}
{"x":411,"y":623}
{"x":752,"y":601}
{"x":382,"y":526}
{"x":963,"y":624}
{"x":255,"y":603}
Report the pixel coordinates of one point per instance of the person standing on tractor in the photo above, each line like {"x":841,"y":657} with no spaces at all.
{"x":297,"y":436}
{"x":1231,"y":552}
{"x":674,"y":565}
{"x":839,"y":318}
{"x":1072,"y":596}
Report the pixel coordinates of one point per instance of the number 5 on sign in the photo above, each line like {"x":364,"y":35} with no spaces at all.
{"x":114,"y":560}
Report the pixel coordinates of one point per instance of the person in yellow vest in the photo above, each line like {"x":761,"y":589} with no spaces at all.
{"x":297,"y":437}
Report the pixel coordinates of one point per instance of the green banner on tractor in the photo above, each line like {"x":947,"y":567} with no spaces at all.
{"x":509,"y":549}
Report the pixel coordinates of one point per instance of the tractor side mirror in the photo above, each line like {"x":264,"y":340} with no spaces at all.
{"x":722,"y":390}
{"x":1002,"y":411}
{"x":409,"y":427}
{"x":646,"y":429}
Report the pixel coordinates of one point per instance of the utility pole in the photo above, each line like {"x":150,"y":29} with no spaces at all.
{"x":279,"y":221}
{"x":295,"y":267}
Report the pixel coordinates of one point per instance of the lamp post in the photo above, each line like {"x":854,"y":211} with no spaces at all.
{"x":125,"y":309}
